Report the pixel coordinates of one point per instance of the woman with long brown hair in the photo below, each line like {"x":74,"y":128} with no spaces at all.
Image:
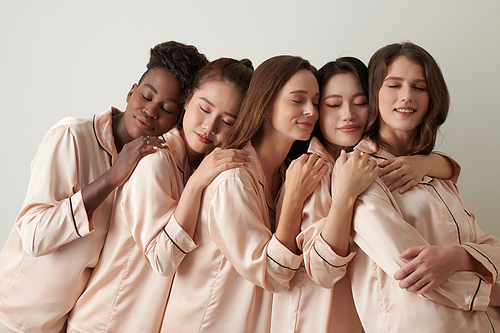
{"x":422,"y":262}
{"x":225,"y":284}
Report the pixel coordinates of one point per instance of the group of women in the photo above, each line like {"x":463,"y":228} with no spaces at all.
{"x":223,"y":200}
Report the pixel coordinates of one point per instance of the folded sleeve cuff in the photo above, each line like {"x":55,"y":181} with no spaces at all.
{"x":179,"y":236}
{"x":282,"y":256}
{"x":82,"y":223}
{"x":324,"y":251}
{"x":456,"y":166}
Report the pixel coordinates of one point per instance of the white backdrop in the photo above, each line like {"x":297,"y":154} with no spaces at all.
{"x":61,"y":58}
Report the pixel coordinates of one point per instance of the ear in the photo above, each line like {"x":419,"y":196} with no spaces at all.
{"x":134,"y":88}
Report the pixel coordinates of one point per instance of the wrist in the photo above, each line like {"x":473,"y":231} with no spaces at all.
{"x":342,"y":199}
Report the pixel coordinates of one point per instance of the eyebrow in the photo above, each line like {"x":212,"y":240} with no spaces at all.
{"x":401,"y":79}
{"x":300,"y":92}
{"x":213,"y":105}
{"x":340,"y":96}
{"x":173,"y":100}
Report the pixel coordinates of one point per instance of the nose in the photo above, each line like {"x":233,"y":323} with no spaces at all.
{"x":406,"y":94}
{"x":210,"y":125}
{"x":347,"y":113}
{"x":151,"y":112}
{"x":309,"y":109}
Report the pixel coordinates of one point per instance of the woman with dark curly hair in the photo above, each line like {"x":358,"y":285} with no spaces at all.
{"x":66,"y":213}
{"x":158,"y":208}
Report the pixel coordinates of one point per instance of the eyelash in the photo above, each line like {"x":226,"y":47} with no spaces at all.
{"x":417,"y":88}
{"x":147,"y":99}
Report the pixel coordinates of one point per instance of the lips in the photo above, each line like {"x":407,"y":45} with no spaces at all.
{"x":405,"y":110}
{"x":203,"y":138}
{"x":348,"y":128}
{"x":305,"y":124}
{"x":143,"y":123}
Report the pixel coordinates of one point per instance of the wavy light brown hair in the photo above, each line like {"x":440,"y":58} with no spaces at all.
{"x":236,"y":73}
{"x":257,"y":106}
{"x":439,"y":99}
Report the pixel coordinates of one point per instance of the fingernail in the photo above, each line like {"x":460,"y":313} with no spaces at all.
{"x":154,"y":147}
{"x":163,"y":144}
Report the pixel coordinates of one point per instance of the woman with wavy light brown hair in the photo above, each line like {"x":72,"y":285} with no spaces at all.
{"x":225,"y":284}
{"x":422,"y":263}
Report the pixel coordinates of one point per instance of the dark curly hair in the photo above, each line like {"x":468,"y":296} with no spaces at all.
{"x":184,"y":61}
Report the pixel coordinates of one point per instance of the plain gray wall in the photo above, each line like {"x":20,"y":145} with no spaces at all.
{"x":61,"y":58}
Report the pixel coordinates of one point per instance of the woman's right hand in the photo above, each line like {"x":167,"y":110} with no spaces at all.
{"x":217,"y":161}
{"x":130,"y":155}
{"x":356,"y":173}
{"x":302,"y":176}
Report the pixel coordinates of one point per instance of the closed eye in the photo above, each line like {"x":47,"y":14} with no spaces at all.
{"x":228,"y":124}
{"x":202,"y":109}
{"x":147,"y":99}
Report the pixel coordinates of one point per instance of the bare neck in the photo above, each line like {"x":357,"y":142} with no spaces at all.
{"x":272,"y":150}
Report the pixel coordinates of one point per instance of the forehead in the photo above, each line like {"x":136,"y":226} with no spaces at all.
{"x":302,"y":80}
{"x":342,"y":82}
{"x":162,"y":80}
{"x":402,"y":67}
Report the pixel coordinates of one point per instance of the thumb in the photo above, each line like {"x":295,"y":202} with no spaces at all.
{"x":343,"y":157}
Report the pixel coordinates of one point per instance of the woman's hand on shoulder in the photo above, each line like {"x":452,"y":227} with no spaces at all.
{"x":217,"y":161}
{"x":303,"y":175}
{"x":356,"y":172}
{"x":405,"y":171}
{"x":130,"y":155}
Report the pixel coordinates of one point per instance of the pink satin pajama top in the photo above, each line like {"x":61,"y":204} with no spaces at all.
{"x":49,"y":255}
{"x":125,"y":294}
{"x":225,"y":284}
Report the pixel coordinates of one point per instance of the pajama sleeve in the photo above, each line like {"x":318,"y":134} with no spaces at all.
{"x":236,"y":216}
{"x":148,"y":204}
{"x":381,"y":232}
{"x":485,"y":248}
{"x":322,"y":264}
{"x":457,"y":168}
{"x":53,"y":213}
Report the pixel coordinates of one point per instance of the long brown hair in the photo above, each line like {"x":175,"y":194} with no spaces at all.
{"x":439,"y":99}
{"x":257,"y":106}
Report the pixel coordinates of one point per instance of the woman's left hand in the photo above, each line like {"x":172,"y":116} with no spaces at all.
{"x":429,"y":267}
{"x":407,"y":171}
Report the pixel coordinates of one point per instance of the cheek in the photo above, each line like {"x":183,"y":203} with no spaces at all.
{"x":363,"y":117}
{"x":384,"y":99}
{"x":189,"y":119}
{"x":328,"y":119}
